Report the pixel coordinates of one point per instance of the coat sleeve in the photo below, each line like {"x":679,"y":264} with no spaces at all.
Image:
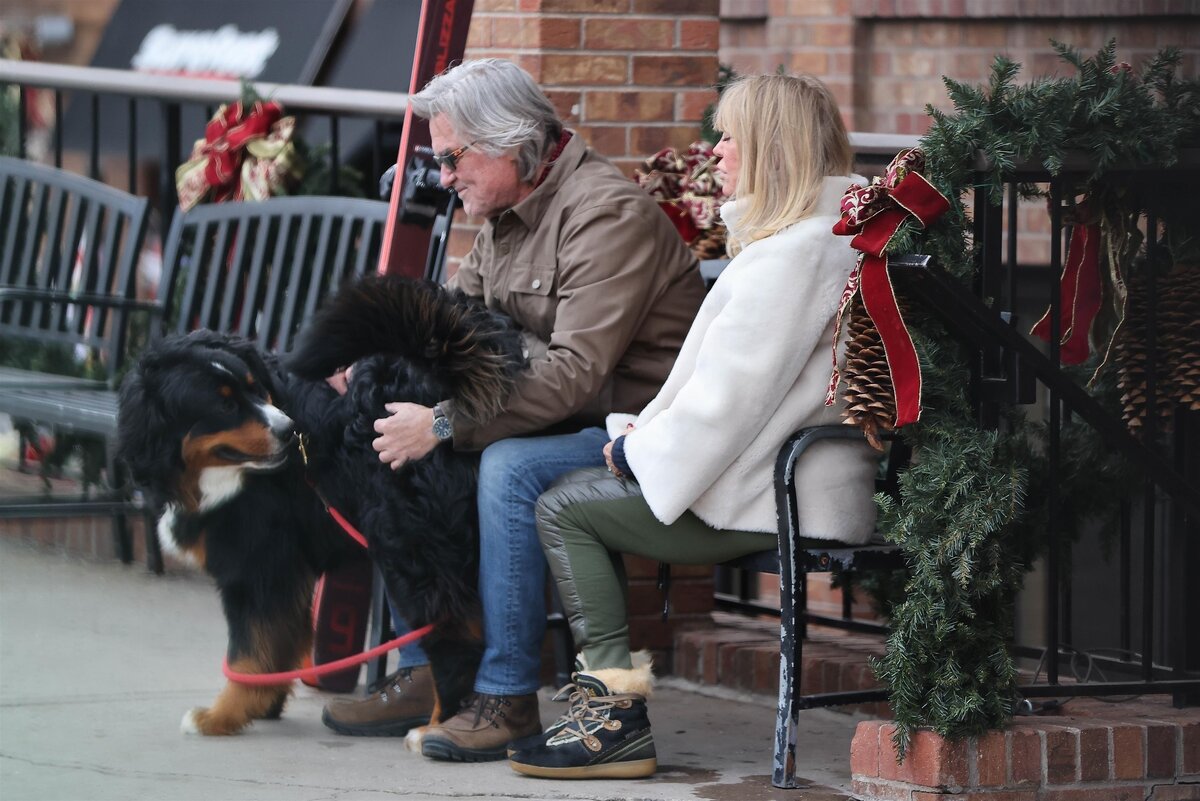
{"x":779,"y":309}
{"x":605,"y":281}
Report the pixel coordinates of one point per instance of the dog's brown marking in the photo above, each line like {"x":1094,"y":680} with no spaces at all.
{"x":237,"y":705}
{"x":196,"y":551}
{"x":199,"y":452}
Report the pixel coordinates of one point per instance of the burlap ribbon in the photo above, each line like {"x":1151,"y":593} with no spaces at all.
{"x":872,"y":214}
{"x":246,"y":153}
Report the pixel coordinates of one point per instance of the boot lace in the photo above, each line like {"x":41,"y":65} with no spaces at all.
{"x":394,"y":682}
{"x":486,"y":707}
{"x":586,"y":714}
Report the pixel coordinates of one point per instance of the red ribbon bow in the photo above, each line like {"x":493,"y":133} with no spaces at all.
{"x":225,"y":139}
{"x":1080,"y":292}
{"x":872,"y":214}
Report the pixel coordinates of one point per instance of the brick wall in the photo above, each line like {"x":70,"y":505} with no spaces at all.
{"x":631,"y":76}
{"x":1095,"y":752}
{"x":884,"y":59}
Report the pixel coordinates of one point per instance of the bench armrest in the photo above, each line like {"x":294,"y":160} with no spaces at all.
{"x":76,"y":298}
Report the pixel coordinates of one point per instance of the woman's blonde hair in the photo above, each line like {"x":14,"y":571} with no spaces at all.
{"x":789,"y":137}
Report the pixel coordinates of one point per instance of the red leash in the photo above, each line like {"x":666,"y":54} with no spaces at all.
{"x":262,"y":679}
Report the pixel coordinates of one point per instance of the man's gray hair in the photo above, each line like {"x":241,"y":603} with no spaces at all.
{"x":498,"y":106}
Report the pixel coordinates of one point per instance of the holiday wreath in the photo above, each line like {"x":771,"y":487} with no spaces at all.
{"x":969,"y":506}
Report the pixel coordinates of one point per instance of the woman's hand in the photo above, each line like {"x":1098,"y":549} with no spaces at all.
{"x":405,"y":435}
{"x":612,"y":468}
{"x":608,"y":459}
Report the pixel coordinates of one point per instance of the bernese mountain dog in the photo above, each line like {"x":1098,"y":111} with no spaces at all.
{"x":242,"y":451}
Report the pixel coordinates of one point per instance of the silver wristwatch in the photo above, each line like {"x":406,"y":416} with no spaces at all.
{"x":441,"y":424}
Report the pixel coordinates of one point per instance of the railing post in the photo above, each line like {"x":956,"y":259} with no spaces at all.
{"x":169,"y":197}
{"x":1052,"y":452}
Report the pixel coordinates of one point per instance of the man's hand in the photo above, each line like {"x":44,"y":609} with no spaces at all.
{"x":406,"y":435}
{"x":340,"y":381}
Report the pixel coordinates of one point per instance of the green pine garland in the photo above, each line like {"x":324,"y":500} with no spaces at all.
{"x":971,"y":513}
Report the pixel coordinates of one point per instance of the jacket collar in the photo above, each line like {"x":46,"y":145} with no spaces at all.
{"x":829,"y":201}
{"x":533,"y":207}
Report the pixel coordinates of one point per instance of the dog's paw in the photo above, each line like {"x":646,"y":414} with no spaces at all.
{"x":412,"y":740}
{"x":191,"y":721}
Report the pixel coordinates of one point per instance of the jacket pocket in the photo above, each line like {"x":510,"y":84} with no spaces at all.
{"x":532,"y":279}
{"x":532,"y":302}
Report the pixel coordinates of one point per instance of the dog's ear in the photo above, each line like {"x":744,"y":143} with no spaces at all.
{"x":144,"y":442}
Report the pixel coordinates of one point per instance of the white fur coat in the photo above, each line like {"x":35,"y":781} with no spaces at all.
{"x":753,"y":369}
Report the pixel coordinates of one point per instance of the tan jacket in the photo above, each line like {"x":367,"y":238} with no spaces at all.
{"x":603,"y":287}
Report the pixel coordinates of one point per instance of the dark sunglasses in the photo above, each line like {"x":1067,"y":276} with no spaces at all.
{"x":450,"y":160}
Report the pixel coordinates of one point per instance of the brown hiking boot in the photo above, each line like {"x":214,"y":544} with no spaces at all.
{"x":484,"y":727}
{"x":404,"y":700}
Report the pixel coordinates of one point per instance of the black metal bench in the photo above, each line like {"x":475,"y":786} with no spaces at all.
{"x":792,"y":560}
{"x":256,"y":269}
{"x":69,"y":250}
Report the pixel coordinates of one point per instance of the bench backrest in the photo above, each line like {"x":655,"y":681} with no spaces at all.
{"x":63,"y":236}
{"x":259,"y":269}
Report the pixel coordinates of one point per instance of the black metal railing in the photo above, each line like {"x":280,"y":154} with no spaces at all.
{"x":97,"y":100}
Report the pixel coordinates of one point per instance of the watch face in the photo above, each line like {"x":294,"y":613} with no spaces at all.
{"x":441,"y":428}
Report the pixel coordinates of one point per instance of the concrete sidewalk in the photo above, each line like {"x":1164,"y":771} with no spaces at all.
{"x":99,"y":661}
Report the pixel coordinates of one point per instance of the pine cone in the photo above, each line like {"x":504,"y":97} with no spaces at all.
{"x":870,"y":398}
{"x":1178,"y":341}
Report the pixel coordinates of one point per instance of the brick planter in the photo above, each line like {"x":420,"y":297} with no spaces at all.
{"x":1144,"y":752}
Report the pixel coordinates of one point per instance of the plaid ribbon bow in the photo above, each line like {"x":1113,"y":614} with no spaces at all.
{"x":872,"y":214}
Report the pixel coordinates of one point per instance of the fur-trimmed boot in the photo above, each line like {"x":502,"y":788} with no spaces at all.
{"x":605,"y":733}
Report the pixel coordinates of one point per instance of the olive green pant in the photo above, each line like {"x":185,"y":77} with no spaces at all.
{"x":586,"y":521}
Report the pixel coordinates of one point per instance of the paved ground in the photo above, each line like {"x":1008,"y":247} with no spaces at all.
{"x":99,"y":661}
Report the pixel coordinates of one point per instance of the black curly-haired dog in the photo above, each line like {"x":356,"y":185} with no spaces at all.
{"x":209,"y":428}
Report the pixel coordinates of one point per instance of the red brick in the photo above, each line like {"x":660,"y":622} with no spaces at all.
{"x":1093,"y":753}
{"x":938,"y":762}
{"x":629,"y":106}
{"x":880,"y":791}
{"x":573,"y":69}
{"x":990,"y":753}
{"x":831,"y":34}
{"x":809,"y":62}
{"x":693,"y":70}
{"x":677,"y":7}
{"x":1025,"y":761}
{"x":692,"y":106}
{"x":864,"y":750}
{"x":567,"y":103}
{"x":1191,"y":748}
{"x":546,"y":32}
{"x":647,"y":140}
{"x":1062,"y":756}
{"x":587,"y":6}
{"x":889,"y":765}
{"x":629,"y":34}
{"x":1176,"y":792}
{"x":1128,"y":756}
{"x":1160,"y":750}
{"x":699,"y":34}
{"x":1110,"y":792}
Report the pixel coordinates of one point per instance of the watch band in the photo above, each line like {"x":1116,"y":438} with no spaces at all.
{"x":442,"y":429}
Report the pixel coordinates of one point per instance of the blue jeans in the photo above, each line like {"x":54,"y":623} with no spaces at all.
{"x":512,"y":570}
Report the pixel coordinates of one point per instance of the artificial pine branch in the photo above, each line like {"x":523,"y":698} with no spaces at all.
{"x":972,"y":505}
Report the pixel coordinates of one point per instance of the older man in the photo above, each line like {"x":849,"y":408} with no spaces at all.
{"x":604,"y":291}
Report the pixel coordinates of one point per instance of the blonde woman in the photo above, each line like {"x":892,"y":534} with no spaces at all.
{"x":690,"y":480}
